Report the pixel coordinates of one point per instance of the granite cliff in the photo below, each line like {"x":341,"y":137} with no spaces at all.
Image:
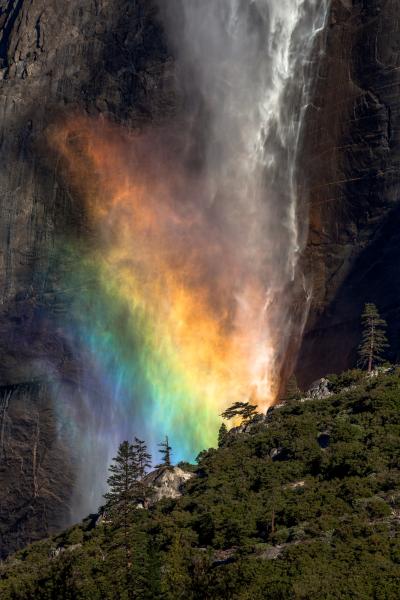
{"x":97,"y":56}
{"x":352,"y":168}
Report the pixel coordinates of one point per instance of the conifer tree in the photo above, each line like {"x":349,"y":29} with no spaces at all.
{"x":142,"y":573}
{"x":245,"y":410}
{"x":374,"y":341}
{"x":176,"y":577}
{"x":142,"y":457}
{"x":122,"y":479}
{"x":120,"y":499}
{"x":165,"y":451}
{"x":142,"y":460}
{"x":292,"y":391}
{"x":223,"y":432}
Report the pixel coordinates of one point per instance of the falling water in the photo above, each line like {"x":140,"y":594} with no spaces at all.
{"x":244,"y":71}
{"x":197,"y":255}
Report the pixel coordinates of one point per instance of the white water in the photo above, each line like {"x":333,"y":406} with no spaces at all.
{"x":243,"y":69}
{"x":243,"y":66}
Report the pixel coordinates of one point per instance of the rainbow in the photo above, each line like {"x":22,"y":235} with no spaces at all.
{"x":172,"y":317}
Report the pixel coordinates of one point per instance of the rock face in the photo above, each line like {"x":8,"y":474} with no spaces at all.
{"x":36,"y":479}
{"x":93,"y":56}
{"x":319,"y":390}
{"x":351,"y":157}
{"x":167,"y":482}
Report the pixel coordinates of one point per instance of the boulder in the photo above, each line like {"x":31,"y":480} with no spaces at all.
{"x":319,"y":389}
{"x":167,"y":482}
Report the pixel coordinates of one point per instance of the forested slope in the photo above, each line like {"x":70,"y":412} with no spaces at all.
{"x":304,"y":504}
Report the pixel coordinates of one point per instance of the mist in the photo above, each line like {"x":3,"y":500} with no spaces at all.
{"x":190,"y":295}
{"x":245,"y":69}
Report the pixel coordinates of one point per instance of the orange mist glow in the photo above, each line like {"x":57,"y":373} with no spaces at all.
{"x":204,"y":311}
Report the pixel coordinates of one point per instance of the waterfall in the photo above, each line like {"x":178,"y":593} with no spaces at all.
{"x":244,"y":71}
{"x":197,"y":233}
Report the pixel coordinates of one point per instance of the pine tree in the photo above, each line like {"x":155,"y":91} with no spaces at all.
{"x":143,"y":579}
{"x":223,"y":432}
{"x":142,"y":460}
{"x":176,"y":576}
{"x":374,"y":341}
{"x":141,"y":456}
{"x":245,"y":410}
{"x":121,"y":497}
{"x":292,"y":391}
{"x":121,"y":482}
{"x":165,"y":451}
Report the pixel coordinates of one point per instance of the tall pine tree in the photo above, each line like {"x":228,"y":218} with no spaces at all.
{"x":142,"y":461}
{"x":374,"y":341}
{"x":142,"y":457}
{"x":122,"y":480}
{"x":222,"y":433}
{"x":165,"y":451}
{"x":121,"y":497}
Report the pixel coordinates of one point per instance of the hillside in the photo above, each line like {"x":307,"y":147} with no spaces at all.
{"x":305,"y":505}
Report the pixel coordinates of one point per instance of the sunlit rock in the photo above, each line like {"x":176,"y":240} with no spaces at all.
{"x":167,"y":482}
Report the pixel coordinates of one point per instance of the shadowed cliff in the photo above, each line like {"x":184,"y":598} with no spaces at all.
{"x":98,"y":57}
{"x":352,"y":167}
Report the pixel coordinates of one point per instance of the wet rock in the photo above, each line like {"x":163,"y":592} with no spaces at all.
{"x":224,"y":557}
{"x":36,"y":466}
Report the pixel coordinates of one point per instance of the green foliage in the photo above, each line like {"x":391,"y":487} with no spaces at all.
{"x":244,"y":410}
{"x":165,"y":451}
{"x":345,"y":380}
{"x":142,"y":462}
{"x":270,"y":515}
{"x":374,"y":341}
{"x":142,"y":457}
{"x":124,"y":474}
{"x":222,"y":435}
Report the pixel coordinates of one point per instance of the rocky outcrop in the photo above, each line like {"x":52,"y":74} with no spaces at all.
{"x":94,"y":56}
{"x":167,"y":482}
{"x":318,"y":390}
{"x":352,"y":159}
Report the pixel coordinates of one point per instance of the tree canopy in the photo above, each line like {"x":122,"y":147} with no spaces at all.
{"x":273,"y":514}
{"x":244,"y":410}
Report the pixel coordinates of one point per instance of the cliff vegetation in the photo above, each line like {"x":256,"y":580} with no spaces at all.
{"x":304,"y":504}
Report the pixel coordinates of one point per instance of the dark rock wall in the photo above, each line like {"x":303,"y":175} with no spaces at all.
{"x":352,"y":161}
{"x":36,"y":477}
{"x":56,"y":57}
